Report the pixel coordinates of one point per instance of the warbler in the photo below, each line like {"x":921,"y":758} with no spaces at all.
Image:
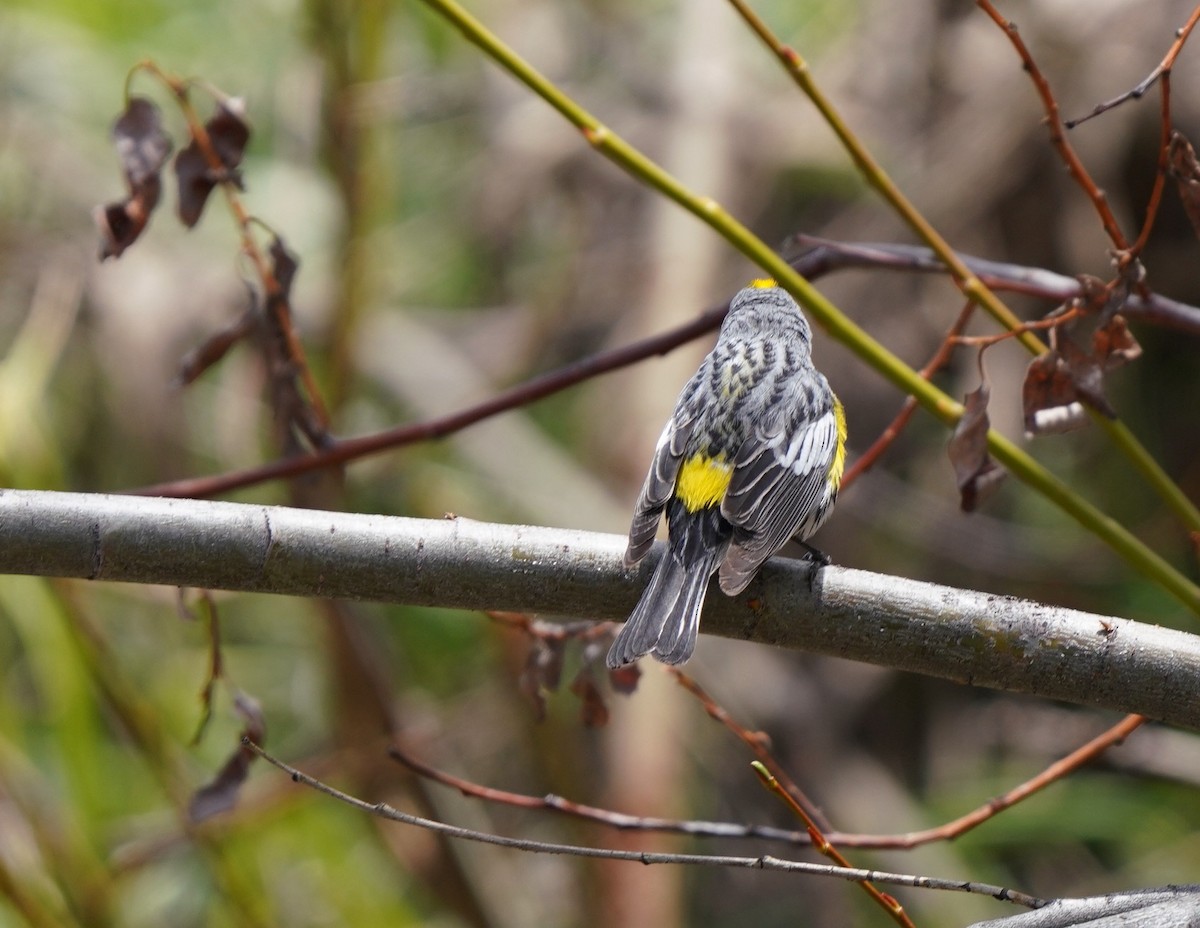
{"x":752,"y":456}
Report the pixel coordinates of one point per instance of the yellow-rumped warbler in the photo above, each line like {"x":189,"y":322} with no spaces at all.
{"x":751,"y":457}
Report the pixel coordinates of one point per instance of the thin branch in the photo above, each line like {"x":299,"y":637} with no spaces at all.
{"x":824,"y":256}
{"x":383,"y":810}
{"x":1163,"y":70}
{"x":758,"y":743}
{"x":1058,"y":132}
{"x":939,"y":360}
{"x":1160,"y":175}
{"x":976,"y":638}
{"x":1056,"y":771}
{"x":619,"y":820}
{"x":887,"y":902}
{"x":1163,"y":74}
{"x":622,"y":821}
{"x":353,"y":449}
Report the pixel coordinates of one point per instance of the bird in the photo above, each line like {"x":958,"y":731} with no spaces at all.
{"x":751,"y":457}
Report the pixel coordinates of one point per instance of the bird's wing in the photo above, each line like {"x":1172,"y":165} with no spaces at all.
{"x":660,"y":480}
{"x":779,"y":489}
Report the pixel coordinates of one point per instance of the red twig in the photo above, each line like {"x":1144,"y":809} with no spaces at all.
{"x":1058,"y":136}
{"x":607,"y":817}
{"x":339,"y":452}
{"x":1051,"y":774}
{"x":1050,"y":322}
{"x":867,"y":460}
{"x":1160,"y":177}
{"x":758,"y":743}
{"x":886,"y":901}
{"x":944,"y":832}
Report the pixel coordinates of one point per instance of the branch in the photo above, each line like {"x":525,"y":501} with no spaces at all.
{"x":383,"y":810}
{"x":974,"y":638}
{"x":820,"y":256}
{"x":1163,"y":907}
{"x":342,"y":451}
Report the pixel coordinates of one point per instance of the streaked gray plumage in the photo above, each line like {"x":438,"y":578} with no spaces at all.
{"x":758,"y":415}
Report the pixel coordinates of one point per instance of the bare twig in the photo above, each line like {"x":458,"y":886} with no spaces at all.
{"x":887,"y":902}
{"x":352,"y":449}
{"x":759,"y":745}
{"x":1051,"y":774}
{"x":708,"y":829}
{"x":940,"y":357}
{"x":383,"y":810}
{"x":1163,"y":70}
{"x":1058,"y":135}
{"x":608,"y":817}
{"x":824,"y":256}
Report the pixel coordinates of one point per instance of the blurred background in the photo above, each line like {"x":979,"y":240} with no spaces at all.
{"x":456,"y":237}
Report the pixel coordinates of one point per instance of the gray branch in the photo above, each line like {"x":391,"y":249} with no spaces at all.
{"x":970,"y":637}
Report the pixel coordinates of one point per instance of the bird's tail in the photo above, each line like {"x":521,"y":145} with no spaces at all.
{"x":665,"y":621}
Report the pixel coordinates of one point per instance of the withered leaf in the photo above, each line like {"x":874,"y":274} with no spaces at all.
{"x":229,"y":131}
{"x":542,"y":672}
{"x":1087,"y":376}
{"x":195,"y":181}
{"x":142,"y":148}
{"x":625,"y":679}
{"x":593,"y":711}
{"x":214,"y":348}
{"x":1183,"y":166}
{"x":1049,"y":398}
{"x":977,"y":474}
{"x":228,"y":134}
{"x":1113,"y":344}
{"x":121,"y":223}
{"x":220,"y":794}
{"x":141,"y":144}
{"x":284,"y":265}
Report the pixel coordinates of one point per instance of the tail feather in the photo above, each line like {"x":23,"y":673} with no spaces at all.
{"x":667,"y":617}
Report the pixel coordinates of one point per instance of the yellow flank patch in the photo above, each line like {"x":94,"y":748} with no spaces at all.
{"x":839,"y":456}
{"x":703,"y":481}
{"x":763,"y":283}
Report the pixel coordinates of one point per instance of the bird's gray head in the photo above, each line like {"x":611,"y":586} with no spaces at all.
{"x":764,"y":306}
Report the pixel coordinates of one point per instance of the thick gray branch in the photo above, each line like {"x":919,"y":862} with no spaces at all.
{"x":974,"y":638}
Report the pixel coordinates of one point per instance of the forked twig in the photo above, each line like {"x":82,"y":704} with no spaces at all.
{"x":1058,"y":134}
{"x":887,"y":902}
{"x":776,"y":864}
{"x":1162,"y":70}
{"x":757,"y":742}
{"x":947,"y":831}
